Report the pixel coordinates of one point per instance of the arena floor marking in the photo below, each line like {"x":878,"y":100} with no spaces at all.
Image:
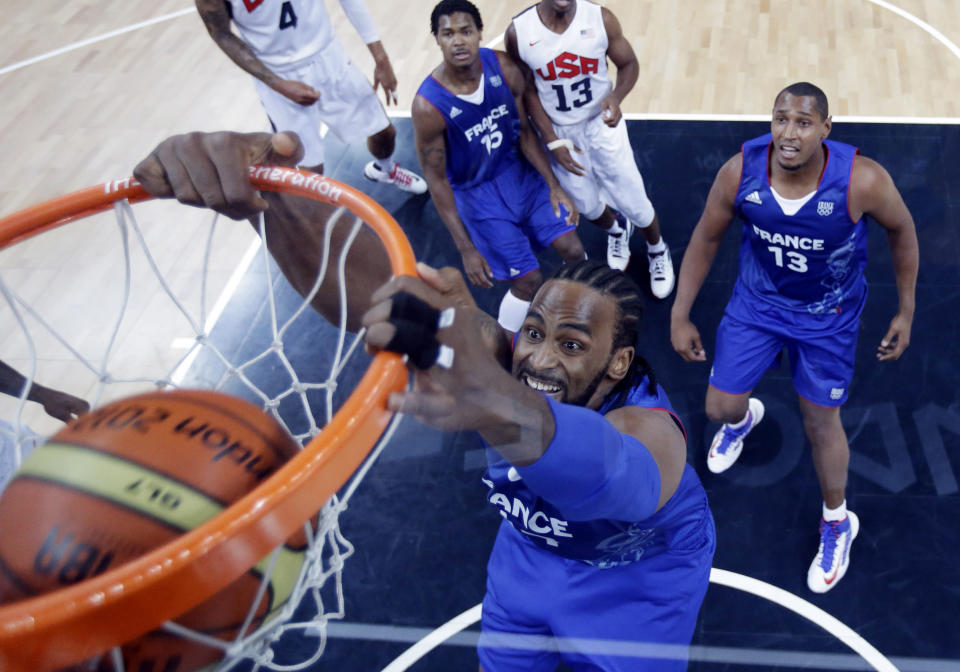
{"x":865,"y":651}
{"x":93,"y":40}
{"x":923,"y":25}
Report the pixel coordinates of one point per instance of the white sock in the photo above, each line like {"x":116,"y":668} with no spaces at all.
{"x":513,"y":311}
{"x":838,"y":513}
{"x":741,"y":423}
{"x":615,"y":229}
{"x":386,"y":165}
{"x":659,"y":246}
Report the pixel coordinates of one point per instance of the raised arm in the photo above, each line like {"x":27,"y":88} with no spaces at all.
{"x":383,"y":75}
{"x":217,"y":20}
{"x":57,"y":404}
{"x":873,"y":192}
{"x":624,"y":465}
{"x":529,"y":141}
{"x":535,"y":110}
{"x":429,"y":128}
{"x":628,"y":68}
{"x":211,"y":170}
{"x":698,"y":258}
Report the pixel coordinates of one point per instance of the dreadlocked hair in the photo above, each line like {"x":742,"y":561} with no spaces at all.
{"x":629,"y":302}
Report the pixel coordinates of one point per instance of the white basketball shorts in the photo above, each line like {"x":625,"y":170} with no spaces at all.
{"x":348,"y":105}
{"x":612,"y":176}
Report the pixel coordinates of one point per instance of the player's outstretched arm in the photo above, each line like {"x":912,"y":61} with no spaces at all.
{"x":466,"y":392}
{"x":698,"y":258}
{"x":530,"y":144}
{"x":538,"y":116}
{"x":628,"y":68}
{"x":873,"y":192}
{"x":57,"y":404}
{"x":429,"y":128}
{"x":635,"y":457}
{"x":217,"y":20}
{"x":211,"y":170}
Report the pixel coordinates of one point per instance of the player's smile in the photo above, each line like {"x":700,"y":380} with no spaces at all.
{"x":564,"y":348}
{"x":548,"y":386}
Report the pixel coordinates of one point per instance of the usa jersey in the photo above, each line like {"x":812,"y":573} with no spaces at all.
{"x":282,"y":33}
{"x":811,"y":261}
{"x":681,"y":522}
{"x":481,"y":138}
{"x":569,"y":69}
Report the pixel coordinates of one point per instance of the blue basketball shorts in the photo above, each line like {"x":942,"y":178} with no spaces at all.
{"x":541,"y":609}
{"x":821,"y":348}
{"x":510,"y":219}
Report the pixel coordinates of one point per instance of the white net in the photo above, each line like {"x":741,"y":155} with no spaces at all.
{"x":123,"y":302}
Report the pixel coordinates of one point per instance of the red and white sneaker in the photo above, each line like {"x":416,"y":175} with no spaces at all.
{"x":833,"y":557}
{"x":401,"y":178}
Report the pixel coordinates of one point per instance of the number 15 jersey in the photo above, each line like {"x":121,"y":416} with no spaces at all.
{"x":482,"y":128}
{"x":570,"y":69}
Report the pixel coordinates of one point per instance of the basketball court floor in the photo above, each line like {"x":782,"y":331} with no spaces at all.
{"x":419,"y":521}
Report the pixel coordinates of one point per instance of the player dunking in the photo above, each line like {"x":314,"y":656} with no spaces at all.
{"x":606,"y":532}
{"x":470,"y":120}
{"x":801,"y":286}
{"x":303,"y":77}
{"x":210,"y":170}
{"x":565,"y":45}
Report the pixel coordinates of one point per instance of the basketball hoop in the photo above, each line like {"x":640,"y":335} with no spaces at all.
{"x":72,"y":624}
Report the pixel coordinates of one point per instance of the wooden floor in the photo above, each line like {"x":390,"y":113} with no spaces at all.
{"x":90,"y":113}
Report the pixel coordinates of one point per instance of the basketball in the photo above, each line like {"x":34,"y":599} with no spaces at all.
{"x":130,"y":476}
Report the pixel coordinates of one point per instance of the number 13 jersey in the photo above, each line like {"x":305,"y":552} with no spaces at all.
{"x":811,"y":261}
{"x":570,"y":69}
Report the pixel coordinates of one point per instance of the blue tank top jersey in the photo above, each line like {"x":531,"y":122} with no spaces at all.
{"x":681,"y":524}
{"x":812,"y":261}
{"x":481,"y":139}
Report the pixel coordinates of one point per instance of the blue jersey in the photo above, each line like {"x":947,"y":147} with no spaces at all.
{"x":481,"y":138}
{"x":683,"y":522}
{"x":811,"y":261}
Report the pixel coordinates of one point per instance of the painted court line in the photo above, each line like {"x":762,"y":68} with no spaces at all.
{"x":668,"y":116}
{"x":425,"y":640}
{"x":923,"y":25}
{"x":867,"y":658}
{"x":93,"y":40}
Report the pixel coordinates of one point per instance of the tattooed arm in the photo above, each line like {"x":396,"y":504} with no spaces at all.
{"x":429,"y":128}
{"x":217,"y":20}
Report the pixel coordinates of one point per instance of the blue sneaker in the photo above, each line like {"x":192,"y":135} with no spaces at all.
{"x":728,"y":442}
{"x":833,"y":557}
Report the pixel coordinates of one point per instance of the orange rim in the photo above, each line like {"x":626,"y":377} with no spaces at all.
{"x":75,"y":623}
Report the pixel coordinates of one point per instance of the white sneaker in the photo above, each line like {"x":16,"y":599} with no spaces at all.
{"x":401,"y":178}
{"x":833,"y":556}
{"x":662,"y":278}
{"x":728,"y":442}
{"x":618,"y":244}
